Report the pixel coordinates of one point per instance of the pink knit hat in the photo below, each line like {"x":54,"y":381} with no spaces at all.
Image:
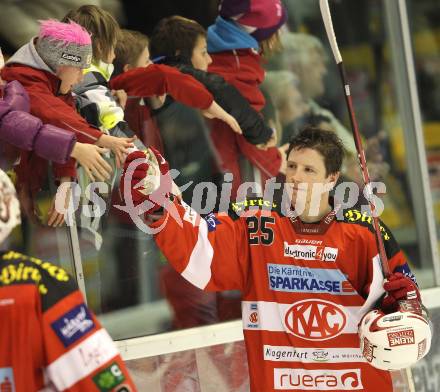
{"x":64,"y":44}
{"x":261,"y":18}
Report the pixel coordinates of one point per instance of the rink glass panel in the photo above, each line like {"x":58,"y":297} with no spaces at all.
{"x":425,"y":34}
{"x":39,"y":240}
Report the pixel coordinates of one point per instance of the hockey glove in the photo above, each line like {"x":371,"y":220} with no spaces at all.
{"x":401,"y":292}
{"x":146,"y":173}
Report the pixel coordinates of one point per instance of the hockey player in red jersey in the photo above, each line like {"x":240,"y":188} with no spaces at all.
{"x":49,"y":339}
{"x":307,"y":280}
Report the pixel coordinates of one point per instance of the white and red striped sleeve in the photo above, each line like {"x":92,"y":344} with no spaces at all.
{"x":211,"y":253}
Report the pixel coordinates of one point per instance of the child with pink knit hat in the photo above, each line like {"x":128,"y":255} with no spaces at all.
{"x":243,"y":31}
{"x":48,"y":67}
{"x":23,"y":131}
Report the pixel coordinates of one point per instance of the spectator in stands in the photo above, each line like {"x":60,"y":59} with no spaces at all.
{"x":106,"y":113}
{"x":241,"y":34}
{"x":47,"y":67}
{"x":304,"y":55}
{"x":132,"y":52}
{"x":283,"y":88}
{"x":32,"y":135}
{"x":190,"y":56}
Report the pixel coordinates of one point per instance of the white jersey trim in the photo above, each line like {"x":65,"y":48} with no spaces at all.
{"x":376,"y":286}
{"x":198,"y":270}
{"x":82,"y":360}
{"x":312,"y":355}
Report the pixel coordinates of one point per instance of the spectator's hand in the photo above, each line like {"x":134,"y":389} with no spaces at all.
{"x":121,"y":97}
{"x":283,"y":149}
{"x":119,"y":146}
{"x":272,"y":142}
{"x":89,"y":157}
{"x":27,"y":204}
{"x":156,"y":102}
{"x":59,"y":206}
{"x":147,"y":176}
{"x":215,"y":111}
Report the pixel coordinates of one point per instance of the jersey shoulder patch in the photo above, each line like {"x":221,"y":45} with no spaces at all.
{"x":52,"y":282}
{"x":363,"y":219}
{"x":239,"y":208}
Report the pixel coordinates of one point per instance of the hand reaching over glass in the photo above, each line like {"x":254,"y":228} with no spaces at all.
{"x":216,"y":111}
{"x":119,"y":145}
{"x":272,"y":142}
{"x":59,"y":205}
{"x":89,"y":157}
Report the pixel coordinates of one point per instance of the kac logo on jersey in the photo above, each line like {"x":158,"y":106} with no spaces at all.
{"x":290,"y":278}
{"x":313,"y":380}
{"x":73,"y":325}
{"x":310,"y":252}
{"x":315,"y":320}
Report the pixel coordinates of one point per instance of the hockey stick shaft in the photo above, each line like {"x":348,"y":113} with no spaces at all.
{"x":326,"y":16}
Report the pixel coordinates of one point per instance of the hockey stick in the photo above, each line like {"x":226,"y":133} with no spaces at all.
{"x":327,"y":18}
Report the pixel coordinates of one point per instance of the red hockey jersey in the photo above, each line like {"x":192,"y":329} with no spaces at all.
{"x":303,"y":294}
{"x":49,"y":339}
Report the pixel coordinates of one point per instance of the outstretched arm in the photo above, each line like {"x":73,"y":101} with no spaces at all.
{"x":211,"y":252}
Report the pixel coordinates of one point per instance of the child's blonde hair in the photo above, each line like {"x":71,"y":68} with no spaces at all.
{"x":101,"y":25}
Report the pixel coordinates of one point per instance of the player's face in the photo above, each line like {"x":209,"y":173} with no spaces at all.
{"x":306,"y":173}
{"x":200,"y":58}
{"x":70,"y":76}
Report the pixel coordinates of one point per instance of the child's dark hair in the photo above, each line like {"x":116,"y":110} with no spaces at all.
{"x":100,"y":24}
{"x":327,"y":143}
{"x":175,"y":35}
{"x":128,"y":49}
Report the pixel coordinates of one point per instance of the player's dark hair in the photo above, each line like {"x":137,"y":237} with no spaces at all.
{"x":327,"y":143}
{"x":175,"y":35}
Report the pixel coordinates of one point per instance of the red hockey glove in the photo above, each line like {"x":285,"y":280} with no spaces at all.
{"x":150,"y":179}
{"x":399,"y":289}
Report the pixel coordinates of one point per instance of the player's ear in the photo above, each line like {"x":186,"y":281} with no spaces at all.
{"x":126,"y":67}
